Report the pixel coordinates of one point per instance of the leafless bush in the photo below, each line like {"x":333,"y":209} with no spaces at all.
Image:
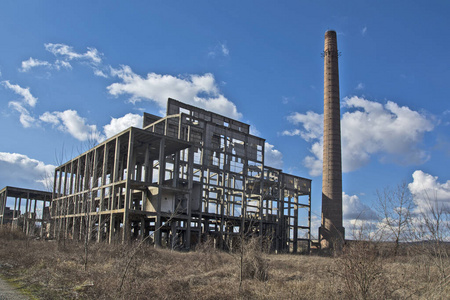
{"x":209,"y":257}
{"x":361,"y":269}
{"x":254,"y":263}
{"x":9,"y":233}
{"x":360,"y":273}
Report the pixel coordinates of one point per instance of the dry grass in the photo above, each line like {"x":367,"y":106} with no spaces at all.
{"x":52,"y":272}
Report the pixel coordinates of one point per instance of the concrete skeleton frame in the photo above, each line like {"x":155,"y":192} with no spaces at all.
{"x":184,"y":177}
{"x":30,"y":211}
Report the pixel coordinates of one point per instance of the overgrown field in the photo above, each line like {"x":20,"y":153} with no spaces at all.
{"x":52,"y":270}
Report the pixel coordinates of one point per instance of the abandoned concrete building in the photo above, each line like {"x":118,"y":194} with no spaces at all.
{"x":31,"y":210}
{"x":181,"y":179}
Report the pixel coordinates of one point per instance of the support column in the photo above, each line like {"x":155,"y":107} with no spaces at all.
{"x":130,"y":174}
{"x":25,"y":221}
{"x":15,"y":208}
{"x":295,"y":224}
{"x":115,"y":174}
{"x":3,"y":204}
{"x":189,"y":202}
{"x":111,"y":228}
{"x":162,"y":171}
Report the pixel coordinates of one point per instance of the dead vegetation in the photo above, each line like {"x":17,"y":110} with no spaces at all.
{"x":361,"y":272}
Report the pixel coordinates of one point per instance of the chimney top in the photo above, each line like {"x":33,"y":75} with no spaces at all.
{"x":330,"y":33}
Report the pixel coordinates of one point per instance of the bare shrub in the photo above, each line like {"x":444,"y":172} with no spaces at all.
{"x":210,"y":257}
{"x":254,"y":265}
{"x":361,"y":269}
{"x":360,"y":273}
{"x":9,"y":233}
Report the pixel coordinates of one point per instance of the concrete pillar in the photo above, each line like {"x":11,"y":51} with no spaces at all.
{"x":128,"y":195}
{"x":162,"y":171}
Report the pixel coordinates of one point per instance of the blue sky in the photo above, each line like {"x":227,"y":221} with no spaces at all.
{"x":79,"y":70}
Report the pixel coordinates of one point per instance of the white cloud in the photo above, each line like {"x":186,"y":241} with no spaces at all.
{"x":368,"y":128}
{"x":312,"y":132}
{"x":393,"y":131}
{"x":69,"y":121}
{"x":358,"y":229}
{"x":92,"y":55}
{"x":23,"y":92}
{"x":19,"y":169}
{"x":28,"y":100}
{"x":31,"y":63}
{"x":354,"y":209}
{"x":25,"y":118}
{"x":272,"y":157}
{"x":293,"y":132}
{"x":427,"y":190}
{"x":100,"y":73}
{"x":312,"y":124}
{"x":118,"y":124}
{"x":360,"y":221}
{"x":62,"y":64}
{"x":315,"y":163}
{"x":198,"y":90}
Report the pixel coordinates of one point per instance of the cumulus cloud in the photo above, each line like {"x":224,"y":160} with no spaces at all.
{"x":312,"y":125}
{"x":428,"y":191}
{"x":18,"y":169}
{"x":272,"y":157}
{"x":360,"y":221}
{"x":66,"y":121}
{"x":198,"y":90}
{"x":69,"y":121}
{"x":31,"y":63}
{"x":354,"y":209}
{"x":21,"y":106}
{"x":118,"y":124}
{"x":394,"y":132}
